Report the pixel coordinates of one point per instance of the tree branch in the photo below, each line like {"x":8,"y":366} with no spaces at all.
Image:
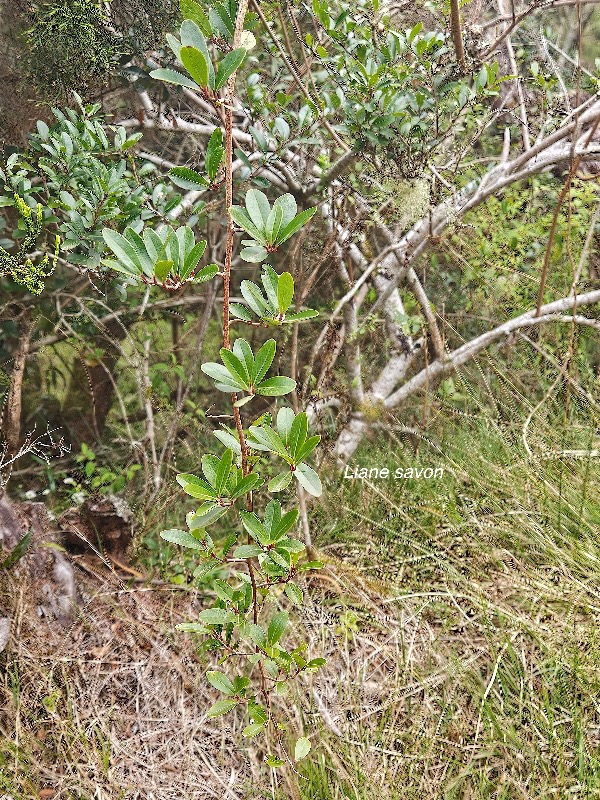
{"x":456,"y":32}
{"x":549,"y":313}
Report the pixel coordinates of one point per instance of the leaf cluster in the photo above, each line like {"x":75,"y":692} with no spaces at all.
{"x":85,"y":176}
{"x":271,"y":308}
{"x":191,"y":51}
{"x":268,"y":227}
{"x":241,"y":371}
{"x":167,"y":258}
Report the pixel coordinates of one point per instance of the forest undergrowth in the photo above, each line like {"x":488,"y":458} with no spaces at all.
{"x":459,"y":617}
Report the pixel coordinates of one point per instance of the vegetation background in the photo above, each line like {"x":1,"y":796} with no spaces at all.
{"x":453,"y":150}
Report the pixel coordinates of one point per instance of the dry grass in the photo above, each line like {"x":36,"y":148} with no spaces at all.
{"x":113,"y":706}
{"x":436,"y":691}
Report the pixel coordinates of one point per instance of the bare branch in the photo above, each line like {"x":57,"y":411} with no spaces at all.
{"x":518,"y":84}
{"x":549,"y":313}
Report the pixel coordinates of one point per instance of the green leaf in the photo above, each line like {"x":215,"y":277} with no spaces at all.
{"x":255,"y":298}
{"x":299,"y":660}
{"x":155,"y":247}
{"x":295,"y":225}
{"x":308,"y":479}
{"x":294,"y":593}
{"x":306,"y":449}
{"x":276,"y":387}
{"x":236,"y":367}
{"x":228,"y":543}
{"x":264,"y":359}
{"x":223,"y":471}
{"x":191,"y":627}
{"x":298,"y":433}
{"x":162,"y":270}
{"x":122,"y":249}
{"x":17,"y":552}
{"x":254,"y":255}
{"x":174,"y":44}
{"x":240,"y":311}
{"x":207,"y":273}
{"x":172,"y":76}
{"x":182,"y":538}
{"x":254,"y":526}
{"x":285,"y":292}
{"x":229,"y":440}
{"x":286,"y":523}
{"x":253,"y":729}
{"x":280,"y":557}
{"x":194,"y":11}
{"x":268,"y":438}
{"x":290,"y":545}
{"x":220,"y":20}
{"x":191,"y":256}
{"x":196,"y":64}
{"x":482,"y":78}
{"x":131,"y":141}
{"x":288,"y":205}
{"x":192,"y":36}
{"x":276,"y":627}
{"x":195,"y":486}
{"x":205,"y":567}
{"x":210,"y":465}
{"x":270,"y":280}
{"x":280,"y":482}
{"x":43,"y":131}
{"x":285,"y":420}
{"x":243,"y":351}
{"x":225,"y":380}
{"x":301,"y":316}
{"x":221,"y":707}
{"x":246,"y":485}
{"x":118,"y":267}
{"x":302,"y":749}
{"x":257,"y":635}
{"x":274,"y":223}
{"x":272,"y":515}
{"x":258,"y":208}
{"x":214,"y":153}
{"x":187,"y":178}
{"x":243,"y":401}
{"x":216,"y":616}
{"x":206,"y":515}
{"x":138,"y":244}
{"x":247,"y":551}
{"x":220,"y":681}
{"x":241,"y":218}
{"x":228,"y":66}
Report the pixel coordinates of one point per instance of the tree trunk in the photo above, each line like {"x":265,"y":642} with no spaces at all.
{"x":91,"y":389}
{"x":14,"y":403}
{"x":18,"y":109}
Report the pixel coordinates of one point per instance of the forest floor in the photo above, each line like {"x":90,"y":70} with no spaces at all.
{"x":461,"y":623}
